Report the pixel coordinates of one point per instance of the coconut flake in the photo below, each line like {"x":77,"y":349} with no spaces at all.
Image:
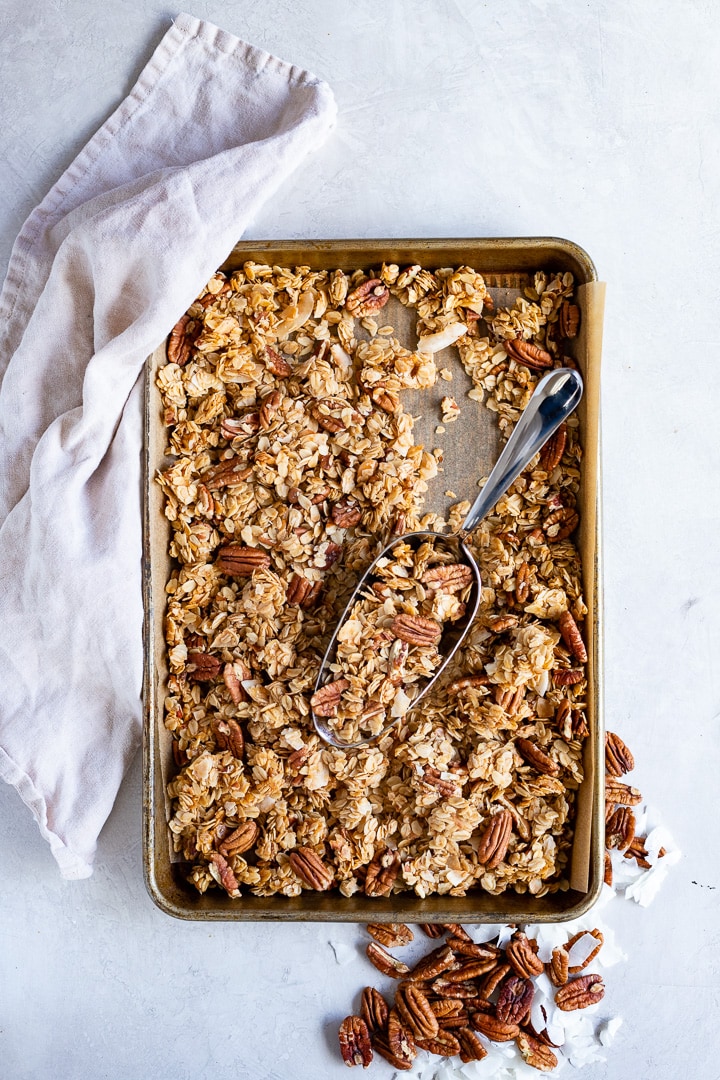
{"x":433,"y":343}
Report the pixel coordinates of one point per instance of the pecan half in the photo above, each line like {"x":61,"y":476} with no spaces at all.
{"x":229,"y":736}
{"x":445,"y":989}
{"x":568,"y":676}
{"x":373,"y":1009}
{"x":275,"y":363}
{"x":553,"y":450}
{"x":202,"y":666}
{"x":560,"y":523}
{"x":355,"y":1042}
{"x":268,"y":407}
{"x":581,"y":992}
{"x":515,"y":1000}
{"x":492,"y":980}
{"x":526,"y":353}
{"x":558,"y":969}
{"x":569,"y":319}
{"x":400,"y":1038}
{"x":390,"y":934}
{"x":346,"y":513}
{"x":414,"y":1011}
{"x":433,"y":930}
{"x":499,"y":623}
{"x":325,"y":701}
{"x":534,"y":756}
{"x":385,"y":961}
{"x":446,"y":1007}
{"x":618,"y":759}
{"x":597,"y":935}
{"x":449,"y":579}
{"x":471,"y":1048}
{"x":240,"y":840}
{"x":227,"y":878}
{"x":239,"y":561}
{"x":381,"y":1045}
{"x":444,"y":1044}
{"x":522,"y":583}
{"x":233,"y":426}
{"x":298,"y":590}
{"x":310,"y":868}
{"x":381,"y":872}
{"x":226,"y":473}
{"x":494,"y":839}
{"x":536,"y":1053}
{"x":471,"y":969}
{"x":434,"y":779}
{"x":368,"y":298}
{"x":416,"y":629}
{"x":620,"y":829}
{"x":622,"y":794}
{"x":492,"y":1028}
{"x":182,"y":337}
{"x":572,"y":637}
{"x":489,"y":954}
{"x":433,"y":964}
{"x":521,"y":952}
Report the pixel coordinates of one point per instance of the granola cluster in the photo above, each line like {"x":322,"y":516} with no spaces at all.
{"x":293,"y":462}
{"x":389,"y":646}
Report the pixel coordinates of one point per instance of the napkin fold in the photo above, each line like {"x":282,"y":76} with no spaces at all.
{"x":99,"y":275}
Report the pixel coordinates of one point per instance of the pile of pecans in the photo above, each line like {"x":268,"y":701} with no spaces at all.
{"x":462,"y":995}
{"x":619,"y":800}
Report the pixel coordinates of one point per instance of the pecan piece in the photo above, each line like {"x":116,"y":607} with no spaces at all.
{"x":471,"y":1048}
{"x":444,"y":1044}
{"x":536,"y":1053}
{"x":521,"y":951}
{"x":494,"y":839}
{"x":233,"y":674}
{"x":414,"y":1011}
{"x":202,"y":666}
{"x":560,"y":523}
{"x":569,"y":319}
{"x":622,"y":794}
{"x":298,"y":590}
{"x":433,"y":930}
{"x":492,"y":980}
{"x":434,"y":779}
{"x":636,"y":851}
{"x":368,"y":298}
{"x":534,"y":756}
{"x":355,"y":1042}
{"x":466,"y":682}
{"x":346,"y":513}
{"x":226,"y":473}
{"x":229,"y":736}
{"x":553,"y":450}
{"x":445,"y":989}
{"x":618,"y":759}
{"x":620,"y":829}
{"x":381,"y":872}
{"x":325,"y":701}
{"x":182,"y":337}
{"x":225,"y":874}
{"x":581,"y":992}
{"x":568,"y":676}
{"x":416,"y":629}
{"x":526,"y":353}
{"x":239,"y":561}
{"x":492,"y":1028}
{"x":390,"y":934}
{"x":558,"y":969}
{"x":488,"y":954}
{"x":381,"y":1045}
{"x":240,"y":840}
{"x":499,"y":623}
{"x":327,"y":555}
{"x":373,"y":1009}
{"x":385,"y":400}
{"x":608,"y":871}
{"x":433,"y":964}
{"x":472,"y":969}
{"x":515,"y":1001}
{"x":572,"y":636}
{"x":449,"y":579}
{"x":579,"y":724}
{"x":597,"y":934}
{"x":400,"y":1039}
{"x":275,"y":364}
{"x":385,"y":961}
{"x":327,"y":412}
{"x":310,"y":868}
{"x":268,"y":407}
{"x":233,"y":426}
{"x":522,"y":583}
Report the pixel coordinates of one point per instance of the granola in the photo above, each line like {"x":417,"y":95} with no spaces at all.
{"x":293,"y":461}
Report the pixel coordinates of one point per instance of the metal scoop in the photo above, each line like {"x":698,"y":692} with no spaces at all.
{"x":554,"y":398}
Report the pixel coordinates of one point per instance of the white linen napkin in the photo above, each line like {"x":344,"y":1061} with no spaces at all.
{"x":99,"y":275}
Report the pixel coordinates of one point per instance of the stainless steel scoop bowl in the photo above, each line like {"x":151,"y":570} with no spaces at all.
{"x":554,"y":398}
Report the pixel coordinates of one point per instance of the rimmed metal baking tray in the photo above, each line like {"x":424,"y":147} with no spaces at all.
{"x":502,"y":260}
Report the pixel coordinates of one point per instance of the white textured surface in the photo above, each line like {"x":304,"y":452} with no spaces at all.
{"x":597,"y":122}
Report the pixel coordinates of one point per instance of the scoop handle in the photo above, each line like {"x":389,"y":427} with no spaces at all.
{"x":554,"y":398}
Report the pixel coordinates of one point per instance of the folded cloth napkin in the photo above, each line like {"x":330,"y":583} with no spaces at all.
{"x":99,"y":275}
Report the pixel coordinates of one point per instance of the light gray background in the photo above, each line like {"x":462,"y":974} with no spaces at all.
{"x":594,"y":121}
